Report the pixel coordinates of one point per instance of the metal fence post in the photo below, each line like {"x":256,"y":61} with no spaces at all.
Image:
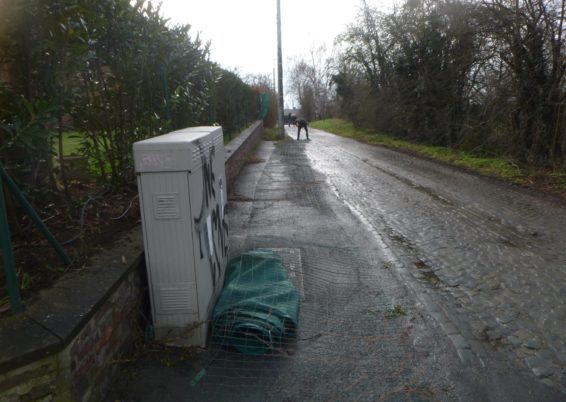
{"x":34,"y":216}
{"x":9,"y":265}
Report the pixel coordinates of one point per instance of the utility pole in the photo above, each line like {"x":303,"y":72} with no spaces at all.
{"x":281,"y":129}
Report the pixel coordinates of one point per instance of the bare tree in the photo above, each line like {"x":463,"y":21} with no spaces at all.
{"x":310,"y":82}
{"x":417,"y":63}
{"x":529,"y":40}
{"x":485,"y":75}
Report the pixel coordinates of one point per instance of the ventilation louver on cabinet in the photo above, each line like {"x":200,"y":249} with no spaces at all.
{"x":177,"y":299}
{"x":166,"y":206}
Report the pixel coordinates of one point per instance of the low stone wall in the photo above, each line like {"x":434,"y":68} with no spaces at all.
{"x":84,"y":369}
{"x":238,"y":150}
{"x":92,"y":357}
{"x":64,"y":347}
{"x":67,"y":344}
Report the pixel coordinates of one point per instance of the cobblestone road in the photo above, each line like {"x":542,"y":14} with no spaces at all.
{"x":487,"y":260}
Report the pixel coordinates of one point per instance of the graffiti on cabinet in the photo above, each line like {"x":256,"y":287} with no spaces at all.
{"x":211,"y":224}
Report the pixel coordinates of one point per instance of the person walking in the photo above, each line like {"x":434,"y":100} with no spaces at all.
{"x":302,"y":123}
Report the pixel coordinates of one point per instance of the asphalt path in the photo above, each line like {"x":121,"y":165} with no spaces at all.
{"x":418,"y":282}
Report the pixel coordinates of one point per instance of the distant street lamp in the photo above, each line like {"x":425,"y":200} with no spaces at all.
{"x":281,"y":129}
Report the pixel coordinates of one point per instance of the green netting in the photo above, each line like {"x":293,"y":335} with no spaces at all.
{"x":264,"y":106}
{"x":258,"y":308}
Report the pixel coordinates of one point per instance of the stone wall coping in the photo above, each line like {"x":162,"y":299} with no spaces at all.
{"x":54,"y":318}
{"x":237,"y":142}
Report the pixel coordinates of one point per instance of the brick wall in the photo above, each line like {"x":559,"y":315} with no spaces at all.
{"x":98,"y":325}
{"x":33,"y":382}
{"x":84,"y":370}
{"x":109,"y":336}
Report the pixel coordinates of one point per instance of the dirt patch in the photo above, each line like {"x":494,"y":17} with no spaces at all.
{"x":548,"y":183}
{"x":96,"y":218}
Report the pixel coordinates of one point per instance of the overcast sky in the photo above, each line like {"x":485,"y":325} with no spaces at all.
{"x":243,"y":33}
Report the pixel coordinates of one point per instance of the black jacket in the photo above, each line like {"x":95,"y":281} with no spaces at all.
{"x":301,"y":123}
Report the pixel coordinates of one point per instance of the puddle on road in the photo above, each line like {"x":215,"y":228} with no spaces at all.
{"x":427,"y":273}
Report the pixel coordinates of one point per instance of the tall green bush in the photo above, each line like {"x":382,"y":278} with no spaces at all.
{"x":112,"y":70}
{"x":234,"y":102}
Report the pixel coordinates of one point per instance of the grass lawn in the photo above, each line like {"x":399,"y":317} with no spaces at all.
{"x":489,"y":166}
{"x":71,"y":143}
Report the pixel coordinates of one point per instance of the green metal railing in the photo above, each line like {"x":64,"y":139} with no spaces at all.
{"x":6,"y":243}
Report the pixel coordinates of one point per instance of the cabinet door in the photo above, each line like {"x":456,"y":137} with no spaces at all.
{"x":168,"y":242}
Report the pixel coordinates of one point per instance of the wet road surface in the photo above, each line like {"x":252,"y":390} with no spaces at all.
{"x":487,"y":260}
{"x":417,"y":283}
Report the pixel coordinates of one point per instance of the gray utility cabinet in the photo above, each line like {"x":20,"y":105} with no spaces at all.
{"x":182,"y":189}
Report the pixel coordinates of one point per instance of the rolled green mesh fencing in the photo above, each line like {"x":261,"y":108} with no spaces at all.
{"x":258,"y":308}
